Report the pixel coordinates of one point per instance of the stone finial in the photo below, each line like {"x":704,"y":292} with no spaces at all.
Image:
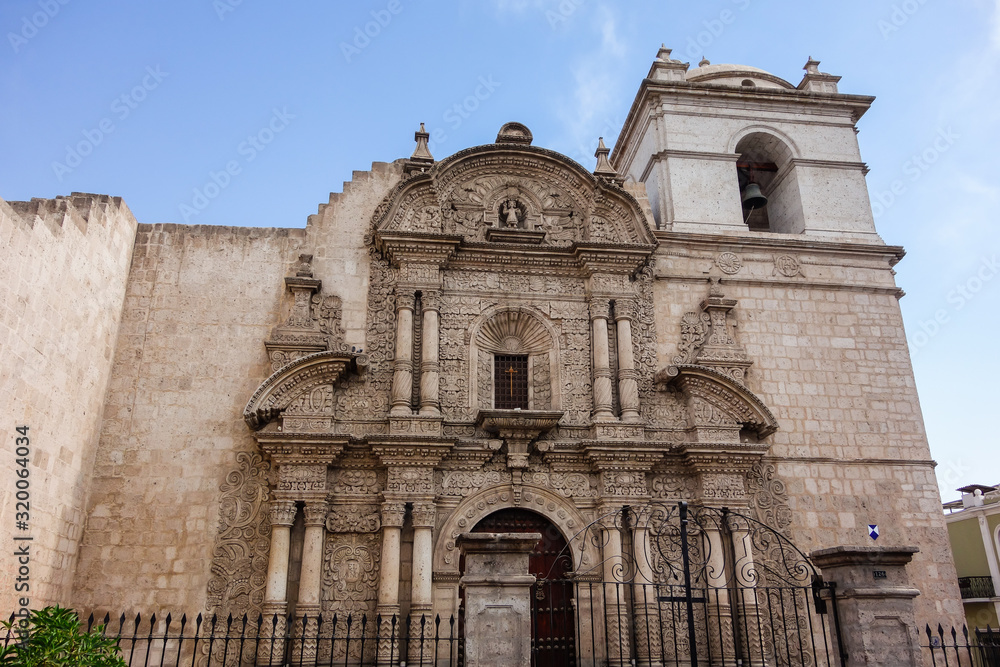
{"x":665,"y":68}
{"x":817,"y":81}
{"x":421,"y":153}
{"x":303,"y":267}
{"x":664,"y":53}
{"x":604,"y":167}
{"x":703,"y":62}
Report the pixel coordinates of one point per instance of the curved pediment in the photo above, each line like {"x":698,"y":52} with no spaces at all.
{"x":524,"y":193}
{"x":722,"y":396}
{"x":304,"y":380}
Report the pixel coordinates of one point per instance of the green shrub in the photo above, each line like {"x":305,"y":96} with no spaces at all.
{"x":53,"y":638}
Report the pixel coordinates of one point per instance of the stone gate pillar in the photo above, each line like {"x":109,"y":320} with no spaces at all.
{"x":497,"y":598}
{"x":875,"y":603}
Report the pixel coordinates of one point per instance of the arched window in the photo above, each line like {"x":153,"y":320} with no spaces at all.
{"x":515,"y":362}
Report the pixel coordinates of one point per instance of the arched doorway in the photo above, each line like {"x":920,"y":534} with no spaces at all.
{"x":553,"y":637}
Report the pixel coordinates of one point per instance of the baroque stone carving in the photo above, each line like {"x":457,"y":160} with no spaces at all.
{"x":729,"y":262}
{"x":786,"y":265}
{"x":239,"y":560}
{"x":302,"y":478}
{"x":361,"y":482}
{"x":624,"y":483}
{"x":354,"y":519}
{"x":722,"y":486}
{"x":768,"y":496}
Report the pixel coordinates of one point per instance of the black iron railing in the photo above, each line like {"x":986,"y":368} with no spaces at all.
{"x":326,"y":639}
{"x":976,"y":587}
{"x":981,"y":649}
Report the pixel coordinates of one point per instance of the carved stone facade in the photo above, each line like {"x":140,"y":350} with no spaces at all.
{"x":655,"y":349}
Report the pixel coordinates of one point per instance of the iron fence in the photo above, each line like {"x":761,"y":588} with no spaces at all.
{"x":959,"y":649}
{"x":323,"y":640}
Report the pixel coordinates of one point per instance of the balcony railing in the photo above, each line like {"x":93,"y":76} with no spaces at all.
{"x":976,"y":587}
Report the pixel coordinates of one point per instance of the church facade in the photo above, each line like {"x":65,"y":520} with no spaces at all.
{"x":306,"y":421}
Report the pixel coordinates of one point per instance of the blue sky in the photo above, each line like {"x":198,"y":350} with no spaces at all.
{"x":278,"y":103}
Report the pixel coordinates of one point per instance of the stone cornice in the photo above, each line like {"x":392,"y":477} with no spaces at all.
{"x":768,"y":243}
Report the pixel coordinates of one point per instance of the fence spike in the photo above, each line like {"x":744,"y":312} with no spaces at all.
{"x":168,"y":619}
{"x":90,"y":622}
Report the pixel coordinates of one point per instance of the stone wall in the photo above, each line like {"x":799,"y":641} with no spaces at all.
{"x":199,"y":305}
{"x":64,"y":268}
{"x":823,"y":326}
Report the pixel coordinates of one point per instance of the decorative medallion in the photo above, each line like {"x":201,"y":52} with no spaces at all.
{"x":729,"y":262}
{"x":787,"y":266}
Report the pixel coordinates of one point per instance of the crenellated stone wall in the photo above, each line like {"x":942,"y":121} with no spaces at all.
{"x":64,"y":268}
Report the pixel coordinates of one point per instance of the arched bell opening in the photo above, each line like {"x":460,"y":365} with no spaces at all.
{"x":768,"y":185}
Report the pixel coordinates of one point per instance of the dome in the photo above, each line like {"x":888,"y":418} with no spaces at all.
{"x":742,"y":76}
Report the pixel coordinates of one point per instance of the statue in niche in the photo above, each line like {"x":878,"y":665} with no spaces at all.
{"x":510,"y":210}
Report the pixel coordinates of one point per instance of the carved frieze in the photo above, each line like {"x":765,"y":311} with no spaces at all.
{"x":293,"y":478}
{"x":353,"y":519}
{"x":722,"y":486}
{"x":355,"y":482}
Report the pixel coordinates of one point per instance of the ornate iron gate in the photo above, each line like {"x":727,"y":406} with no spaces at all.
{"x":695,"y":585}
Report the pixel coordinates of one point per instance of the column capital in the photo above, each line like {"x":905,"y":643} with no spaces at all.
{"x":423,"y":514}
{"x":599,"y":308}
{"x":430,"y":299}
{"x":405,"y":300}
{"x":282,"y":512}
{"x":315,"y":512}
{"x":393,"y":514}
{"x":624,"y":309}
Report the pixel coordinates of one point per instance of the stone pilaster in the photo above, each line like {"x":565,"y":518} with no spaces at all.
{"x":603,"y":405}
{"x":393,"y":514}
{"x":429,"y":365}
{"x":402,"y":376}
{"x":628,"y":386}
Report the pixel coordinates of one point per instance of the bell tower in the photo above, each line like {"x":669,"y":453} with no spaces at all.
{"x":733,"y":149}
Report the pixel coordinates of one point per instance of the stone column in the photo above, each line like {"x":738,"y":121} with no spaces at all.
{"x":615,"y":598}
{"x":644,"y":593}
{"x":429,"y":367}
{"x":421,"y":593}
{"x":602,"y":360}
{"x":388,"y":584}
{"x":402,"y":376}
{"x":276,"y":591}
{"x":497,"y":598}
{"x":628,"y":386}
{"x":875,"y":601}
{"x":312,"y":558}
{"x":308,"y":608}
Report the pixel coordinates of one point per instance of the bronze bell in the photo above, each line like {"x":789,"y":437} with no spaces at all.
{"x":753,"y":197}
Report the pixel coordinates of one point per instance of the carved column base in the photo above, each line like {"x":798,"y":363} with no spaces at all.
{"x":273,"y":633}
{"x":388,"y":627}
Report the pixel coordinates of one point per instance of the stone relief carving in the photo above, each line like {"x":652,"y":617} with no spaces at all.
{"x":623,"y":483}
{"x":326,"y":312}
{"x":672,"y":486}
{"x":768,"y":496}
{"x":302,"y":478}
{"x":350,"y":586}
{"x":722,"y":486}
{"x":239,"y":561}
{"x":786,"y":265}
{"x":729,"y":262}
{"x":360,"y":482}
{"x":354,"y":519}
